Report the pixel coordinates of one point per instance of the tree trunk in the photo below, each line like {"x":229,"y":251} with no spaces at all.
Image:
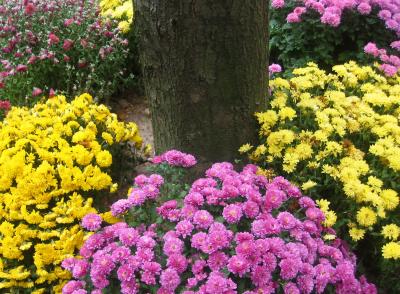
{"x":205,"y":72}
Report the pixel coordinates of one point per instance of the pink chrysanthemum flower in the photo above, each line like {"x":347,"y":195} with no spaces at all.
{"x":92,"y":222}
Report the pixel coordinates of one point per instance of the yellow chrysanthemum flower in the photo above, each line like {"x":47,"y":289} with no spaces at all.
{"x":391,"y":232}
{"x":308,"y":185}
{"x":391,"y":250}
{"x":356,"y":234}
{"x":366,"y":217}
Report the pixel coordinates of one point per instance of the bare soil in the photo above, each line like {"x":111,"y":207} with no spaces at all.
{"x":134,"y":108}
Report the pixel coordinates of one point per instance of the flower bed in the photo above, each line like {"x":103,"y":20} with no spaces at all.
{"x":233,"y":232}
{"x":339,"y":136}
{"x":53,"y":159}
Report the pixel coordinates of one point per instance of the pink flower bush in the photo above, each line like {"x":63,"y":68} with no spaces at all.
{"x":61,"y":45}
{"x":145,"y":188}
{"x":175,"y":158}
{"x":243,"y":233}
{"x":331,"y":12}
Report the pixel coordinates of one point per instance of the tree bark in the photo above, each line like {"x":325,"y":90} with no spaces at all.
{"x":205,"y":72}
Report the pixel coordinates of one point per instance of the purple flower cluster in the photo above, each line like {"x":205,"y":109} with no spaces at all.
{"x":145,"y":188}
{"x":127,"y":252}
{"x":230,"y":227}
{"x":331,"y":13}
{"x":175,"y":158}
{"x":391,"y":63}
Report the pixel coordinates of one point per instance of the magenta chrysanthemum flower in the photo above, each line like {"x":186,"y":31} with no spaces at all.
{"x":306,"y":202}
{"x":372,"y":49}
{"x":251,"y":209}
{"x":170,"y":279}
{"x":92,"y":243}
{"x":80,"y":268}
{"x":72,"y":286}
{"x":289,"y":268}
{"x":286,"y":220}
{"x":258,"y":228}
{"x":388,"y":69}
{"x":151,"y":191}
{"x":92,"y":222}
{"x":146,"y":242}
{"x":330,"y":18}
{"x":177,"y":262}
{"x":395,"y":45}
{"x":103,"y":263}
{"x":217,"y":283}
{"x":194,"y":199}
{"x":385,"y":14}
{"x":260,"y":276}
{"x":68,"y":263}
{"x":364,"y":8}
{"x":291,"y":288}
{"x":141,"y":180}
{"x":184,"y":228}
{"x":315,"y":214}
{"x":150,"y":271}
{"x":246,"y":249}
{"x":274,"y":198}
{"x":126,"y":273}
{"x":156,"y":180}
{"x":173,"y":246}
{"x":198,"y":240}
{"x":238,"y":265}
{"x":216,"y":240}
{"x":137,"y":197}
{"x":120,"y":207}
{"x":128,"y":236}
{"x":120,"y":254}
{"x":232,"y":213}
{"x":217,"y":260}
{"x":277,"y":3}
{"x":293,"y":18}
{"x":203,"y":219}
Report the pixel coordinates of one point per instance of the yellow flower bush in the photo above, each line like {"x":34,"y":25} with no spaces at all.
{"x":52,"y":158}
{"x":120,"y":10}
{"x":338,"y":135}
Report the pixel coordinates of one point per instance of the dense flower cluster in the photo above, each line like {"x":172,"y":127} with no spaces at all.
{"x":391,"y":62}
{"x":52,"y":158}
{"x":339,"y":134}
{"x":121,"y":10}
{"x":145,"y":188}
{"x":331,"y":13}
{"x":175,"y":158}
{"x":233,"y":233}
{"x":58,"y":45}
